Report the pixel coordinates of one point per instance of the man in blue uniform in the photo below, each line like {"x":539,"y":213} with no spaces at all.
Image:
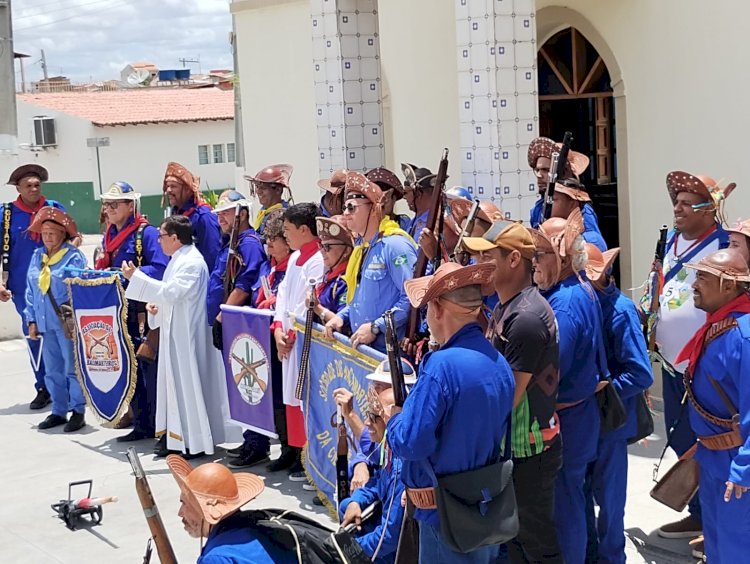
{"x":559,"y":260}
{"x":393,"y":191}
{"x":332,"y":198}
{"x":570,"y":194}
{"x":539,"y":157}
{"x":381,"y":262}
{"x":457,"y":414}
{"x":697,"y":202}
{"x":523,"y":329}
{"x":182,"y":189}
{"x":630,"y":372}
{"x":269,"y":186}
{"x":418,"y":195}
{"x":18,"y":245}
{"x":718,"y":359}
{"x":129,"y":238}
{"x":381,"y":541}
{"x":237,"y":271}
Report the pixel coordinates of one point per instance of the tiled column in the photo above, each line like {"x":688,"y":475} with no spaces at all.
{"x":497,"y":83}
{"x":346,"y":60}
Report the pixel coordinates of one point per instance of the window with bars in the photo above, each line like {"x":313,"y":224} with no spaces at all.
{"x":230,"y":152}
{"x":218,"y":154}
{"x":203,"y":155}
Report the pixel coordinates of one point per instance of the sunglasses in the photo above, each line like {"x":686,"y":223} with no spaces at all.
{"x":327,"y":246}
{"x":351,"y":208}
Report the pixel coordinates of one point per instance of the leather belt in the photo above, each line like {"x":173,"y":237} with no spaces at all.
{"x":422,"y":498}
{"x":722,"y":441}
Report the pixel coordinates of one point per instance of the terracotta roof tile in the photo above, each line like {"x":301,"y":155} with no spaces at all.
{"x":139,"y":106}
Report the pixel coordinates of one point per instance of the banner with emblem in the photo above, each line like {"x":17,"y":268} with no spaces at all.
{"x":247,"y":362}
{"x":105,"y":358}
{"x":333,"y":364}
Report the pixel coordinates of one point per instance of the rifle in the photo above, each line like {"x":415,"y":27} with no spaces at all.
{"x":397,"y":372}
{"x":435,"y":214}
{"x":306,"y":343}
{"x":234,"y":260}
{"x":153,"y":518}
{"x":249,"y":371}
{"x":5,"y":262}
{"x":342,"y":458}
{"x":556,"y":171}
{"x":654,"y":287}
{"x":466,"y":231}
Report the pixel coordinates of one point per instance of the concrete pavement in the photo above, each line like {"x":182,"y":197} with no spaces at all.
{"x":37,"y":466}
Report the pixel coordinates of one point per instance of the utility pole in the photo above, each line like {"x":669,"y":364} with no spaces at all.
{"x":8,"y":117}
{"x":44,"y":67}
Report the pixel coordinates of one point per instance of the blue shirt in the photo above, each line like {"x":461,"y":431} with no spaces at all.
{"x":627,"y":355}
{"x":22,"y":246}
{"x":417,"y":224}
{"x":388,"y":263}
{"x":262,"y":226}
{"x":387,"y":488}
{"x":153,"y":259}
{"x":235,"y":540}
{"x":727,"y":359}
{"x":456,"y":416}
{"x":206,"y":230}
{"x":253,"y":256}
{"x":590,"y":221}
{"x":579,"y":322}
{"x":39,"y":308}
{"x":333,"y":293}
{"x":369,"y":453}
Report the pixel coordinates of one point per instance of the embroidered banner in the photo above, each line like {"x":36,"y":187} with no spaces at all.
{"x":247,"y":362}
{"x":105,"y":358}
{"x":333,"y":364}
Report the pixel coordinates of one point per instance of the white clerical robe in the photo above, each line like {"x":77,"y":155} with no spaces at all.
{"x":191,"y":393}
{"x":290,"y":303}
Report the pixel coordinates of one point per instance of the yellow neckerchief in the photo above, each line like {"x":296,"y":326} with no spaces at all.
{"x":386,"y":228}
{"x":263,"y":213}
{"x":45,"y":275}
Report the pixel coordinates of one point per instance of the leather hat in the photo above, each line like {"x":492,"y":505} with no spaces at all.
{"x":386,"y":180}
{"x":58,"y":217}
{"x":598,"y":264}
{"x":331,"y":229}
{"x":24,"y":171}
{"x":335,"y":183}
{"x":727,"y":264}
{"x":448,"y":277}
{"x":544,"y":147}
{"x":357,"y":183}
{"x":705,"y":186}
{"x":273,"y":174}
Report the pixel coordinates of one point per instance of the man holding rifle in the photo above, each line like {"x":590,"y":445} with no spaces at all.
{"x":697,"y":202}
{"x":382,"y":260}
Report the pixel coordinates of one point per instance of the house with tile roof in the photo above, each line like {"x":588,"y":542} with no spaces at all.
{"x":139,"y":130}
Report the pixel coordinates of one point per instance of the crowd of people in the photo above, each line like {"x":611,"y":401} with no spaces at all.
{"x":523,"y":335}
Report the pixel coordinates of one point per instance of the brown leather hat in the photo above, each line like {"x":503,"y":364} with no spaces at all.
{"x":705,"y":186}
{"x":559,"y":234}
{"x":24,"y":171}
{"x":741,"y":227}
{"x":598,"y":263}
{"x":335,"y":183}
{"x":357,"y":183}
{"x":544,"y":147}
{"x":58,"y":217}
{"x":450,"y":276}
{"x":273,"y":174}
{"x":386,"y":180}
{"x":331,"y":229}
{"x":727,"y":264}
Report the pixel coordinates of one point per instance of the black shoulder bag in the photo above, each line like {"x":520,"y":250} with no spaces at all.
{"x":478,"y":508}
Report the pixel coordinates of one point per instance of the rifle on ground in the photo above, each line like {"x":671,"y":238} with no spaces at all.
{"x":394,"y":362}
{"x":436,"y":212}
{"x":234,"y":260}
{"x":556,"y":172}
{"x":307,"y":342}
{"x":153,"y":518}
{"x":459,"y":254}
{"x":342,"y":458}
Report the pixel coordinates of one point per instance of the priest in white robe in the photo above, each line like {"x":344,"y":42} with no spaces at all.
{"x":192,"y":409}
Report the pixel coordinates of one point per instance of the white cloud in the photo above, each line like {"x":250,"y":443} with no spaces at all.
{"x":86,"y":39}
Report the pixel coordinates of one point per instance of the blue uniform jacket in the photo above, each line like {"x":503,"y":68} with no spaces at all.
{"x":235,"y":540}
{"x":369,"y":453}
{"x":39,"y":308}
{"x":251,"y":250}
{"x":590,"y":221}
{"x":154,"y":261}
{"x":627,"y":356}
{"x":389,"y":262}
{"x":333,"y":294}
{"x":583,"y":360}
{"x":386,"y":488}
{"x":594,"y":237}
{"x":456,"y":415}
{"x":727,"y":359}
{"x":22,"y":247}
{"x":417,"y":224}
{"x":206,"y":231}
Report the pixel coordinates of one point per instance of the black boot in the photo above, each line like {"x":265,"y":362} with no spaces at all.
{"x":286,"y":460}
{"x":250,"y":457}
{"x":76,"y":422}
{"x":41,"y":400}
{"x":52,"y":421}
{"x":161,"y":445}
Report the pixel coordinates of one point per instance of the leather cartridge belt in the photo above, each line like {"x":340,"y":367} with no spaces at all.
{"x":722,"y":441}
{"x":422,"y":498}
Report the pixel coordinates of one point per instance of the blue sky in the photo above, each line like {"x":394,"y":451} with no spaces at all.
{"x":95,"y":39}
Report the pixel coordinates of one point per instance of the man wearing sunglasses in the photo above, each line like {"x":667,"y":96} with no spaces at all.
{"x":130,"y":238}
{"x":381,"y":262}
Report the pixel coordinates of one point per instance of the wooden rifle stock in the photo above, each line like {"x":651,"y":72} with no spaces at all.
{"x":557,"y":171}
{"x":153,"y":518}
{"x":394,"y":362}
{"x":654,"y":276}
{"x":436,"y":211}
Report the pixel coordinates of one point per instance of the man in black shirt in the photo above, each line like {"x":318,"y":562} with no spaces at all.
{"x":524,"y":330}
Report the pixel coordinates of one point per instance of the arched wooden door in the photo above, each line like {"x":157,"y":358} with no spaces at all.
{"x":575,"y":95}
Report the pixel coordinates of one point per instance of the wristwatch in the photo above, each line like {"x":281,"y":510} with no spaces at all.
{"x":374,"y":329}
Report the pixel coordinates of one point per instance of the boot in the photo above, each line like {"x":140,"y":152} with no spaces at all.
{"x":52,"y":421}
{"x":285,"y":461}
{"x":41,"y":400}
{"x":75,"y":423}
